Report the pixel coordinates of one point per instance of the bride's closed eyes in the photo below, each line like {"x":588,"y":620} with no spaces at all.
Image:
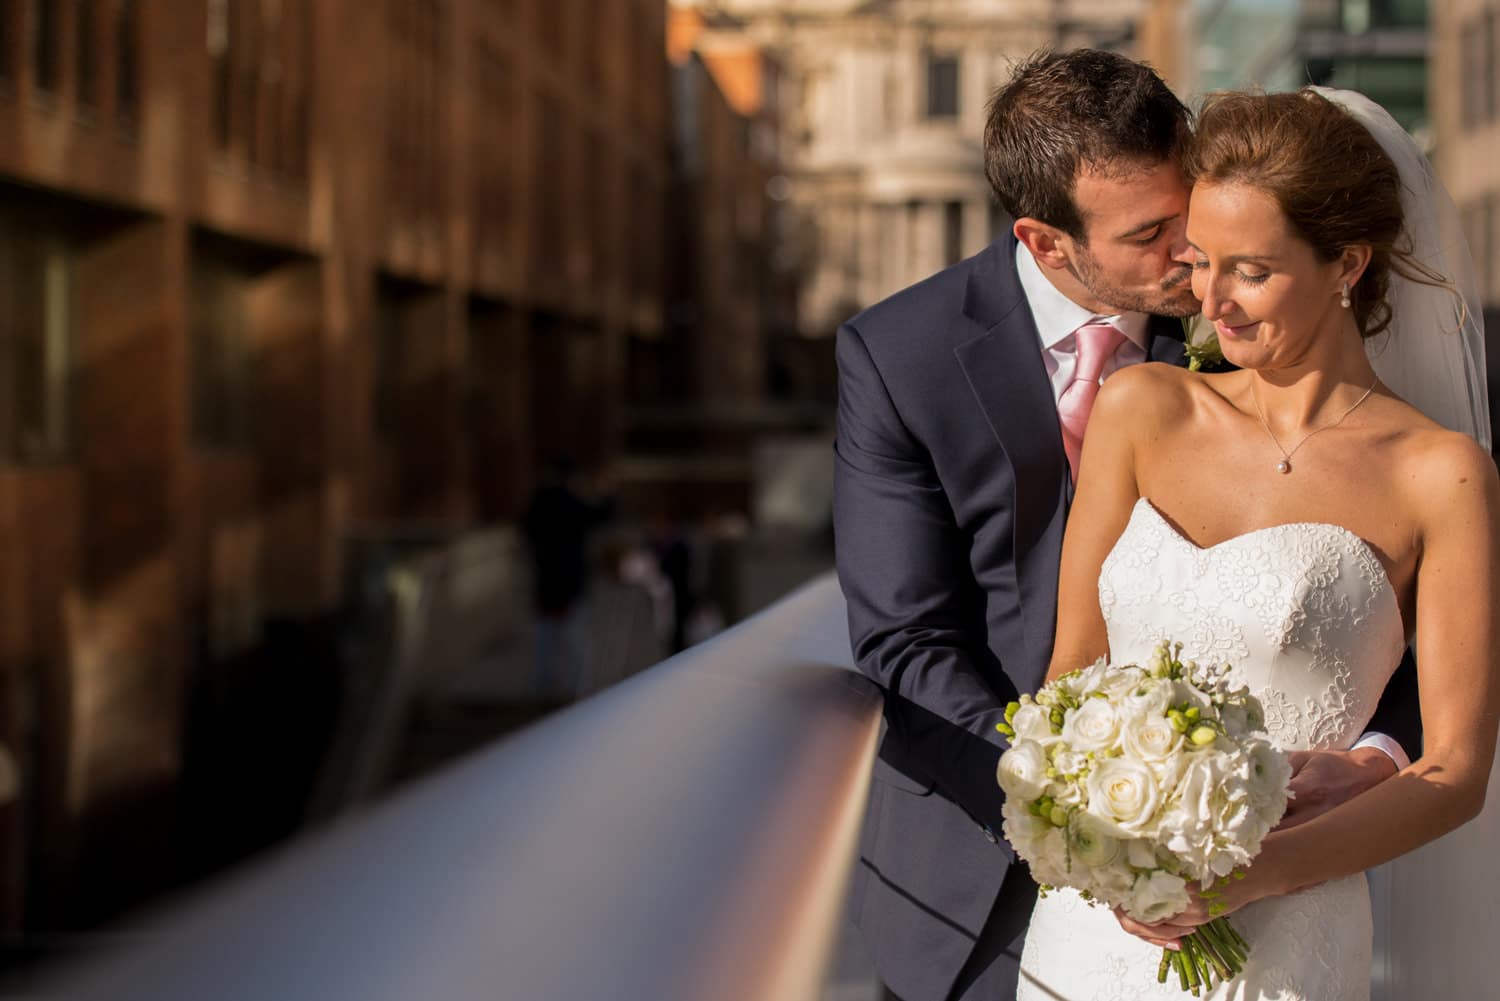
{"x":1201,"y":264}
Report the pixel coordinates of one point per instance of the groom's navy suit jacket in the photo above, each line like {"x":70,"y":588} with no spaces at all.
{"x":951,"y":490}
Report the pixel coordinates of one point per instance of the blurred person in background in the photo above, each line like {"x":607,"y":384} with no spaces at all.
{"x":560,"y":518}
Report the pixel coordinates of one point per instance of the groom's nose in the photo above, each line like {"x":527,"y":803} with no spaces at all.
{"x":1182,"y":251}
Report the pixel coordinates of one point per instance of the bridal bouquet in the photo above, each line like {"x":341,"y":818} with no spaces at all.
{"x":1127,"y":782}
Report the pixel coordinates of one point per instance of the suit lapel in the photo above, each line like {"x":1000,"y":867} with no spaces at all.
{"x":1004,"y":368}
{"x":1164,"y":341}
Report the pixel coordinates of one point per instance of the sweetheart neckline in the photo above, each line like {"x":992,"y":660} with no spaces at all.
{"x":1176,"y":533}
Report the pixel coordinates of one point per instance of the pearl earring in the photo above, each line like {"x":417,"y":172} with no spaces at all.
{"x":1344,"y":299}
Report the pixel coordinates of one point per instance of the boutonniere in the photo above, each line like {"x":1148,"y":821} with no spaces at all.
{"x":1201,"y":342}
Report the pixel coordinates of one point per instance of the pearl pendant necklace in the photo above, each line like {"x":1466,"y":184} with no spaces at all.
{"x":1285,"y":465}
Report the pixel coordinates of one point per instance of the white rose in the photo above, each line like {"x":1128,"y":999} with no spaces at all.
{"x":1235,"y":718}
{"x":1091,"y":679}
{"x":1031,"y":722}
{"x":1122,"y":681}
{"x":1151,"y":738}
{"x":1068,"y":794}
{"x":1093,"y":726}
{"x":1024,"y":831}
{"x":1049,"y":863}
{"x":1140,"y":853}
{"x":1123,"y":792}
{"x":1112,"y":884}
{"x":1022,"y":771}
{"x":1154,"y":701}
{"x":1269,"y":773}
{"x":1188,"y":821}
{"x":1065,"y":761}
{"x":1157,"y":896}
{"x":1094,"y":843}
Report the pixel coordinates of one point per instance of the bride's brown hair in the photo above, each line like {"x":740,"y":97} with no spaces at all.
{"x":1334,"y":183}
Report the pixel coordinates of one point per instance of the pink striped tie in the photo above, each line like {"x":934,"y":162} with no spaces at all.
{"x":1097,"y":343}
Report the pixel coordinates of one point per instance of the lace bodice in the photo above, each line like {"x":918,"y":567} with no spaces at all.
{"x":1303,"y":611}
{"x":1308,"y":619}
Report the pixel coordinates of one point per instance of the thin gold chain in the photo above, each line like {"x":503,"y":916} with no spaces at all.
{"x":1285,"y":455}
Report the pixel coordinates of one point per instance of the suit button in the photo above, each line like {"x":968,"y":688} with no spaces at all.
{"x":989,"y":836}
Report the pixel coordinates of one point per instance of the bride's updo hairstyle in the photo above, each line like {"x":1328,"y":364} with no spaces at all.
{"x":1334,"y":183}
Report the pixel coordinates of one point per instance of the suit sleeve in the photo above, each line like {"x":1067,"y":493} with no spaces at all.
{"x":903,"y":566}
{"x":1399,"y":714}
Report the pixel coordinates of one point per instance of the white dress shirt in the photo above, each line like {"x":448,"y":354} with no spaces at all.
{"x":1057,"y":317}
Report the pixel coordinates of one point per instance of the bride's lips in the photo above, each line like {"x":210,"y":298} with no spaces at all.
{"x":1235,"y":332}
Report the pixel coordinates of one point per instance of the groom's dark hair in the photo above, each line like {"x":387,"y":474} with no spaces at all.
{"x":1063,"y":111}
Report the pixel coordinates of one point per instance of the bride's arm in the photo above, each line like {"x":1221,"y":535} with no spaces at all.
{"x":1107,"y":491}
{"x":1458,"y":658}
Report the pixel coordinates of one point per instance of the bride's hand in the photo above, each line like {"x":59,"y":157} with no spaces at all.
{"x":1223,"y":899}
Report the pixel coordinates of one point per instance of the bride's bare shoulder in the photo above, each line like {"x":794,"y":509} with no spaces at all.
{"x":1452,"y":481}
{"x":1155,"y":389}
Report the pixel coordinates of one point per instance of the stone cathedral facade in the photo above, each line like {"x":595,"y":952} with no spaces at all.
{"x":881,"y":107}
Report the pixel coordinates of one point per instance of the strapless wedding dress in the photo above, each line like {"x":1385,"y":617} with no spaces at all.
{"x":1309,"y":620}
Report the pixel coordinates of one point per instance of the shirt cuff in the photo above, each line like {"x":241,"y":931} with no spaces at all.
{"x":1392,"y":749}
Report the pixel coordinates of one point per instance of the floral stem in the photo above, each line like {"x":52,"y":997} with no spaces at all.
{"x":1210,"y":952}
{"x":1195,"y":972}
{"x":1205,"y":972}
{"x":1244,"y":946}
{"x":1228,"y":942}
{"x":1166,"y":964}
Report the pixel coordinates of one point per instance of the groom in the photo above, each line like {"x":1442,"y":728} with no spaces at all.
{"x":962,"y":406}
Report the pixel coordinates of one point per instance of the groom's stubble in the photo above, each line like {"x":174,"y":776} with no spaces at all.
{"x":1172,"y":297}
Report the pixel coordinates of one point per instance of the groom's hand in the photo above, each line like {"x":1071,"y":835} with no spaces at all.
{"x":1321,"y":780}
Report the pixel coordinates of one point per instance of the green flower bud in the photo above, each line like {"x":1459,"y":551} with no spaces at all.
{"x":1011,"y":708}
{"x":1058,"y":816}
{"x":1203,"y":736}
{"x":1193,"y":713}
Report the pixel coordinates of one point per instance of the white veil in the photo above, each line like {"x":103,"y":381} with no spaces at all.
{"x":1432,"y":356}
{"x":1435,"y":909}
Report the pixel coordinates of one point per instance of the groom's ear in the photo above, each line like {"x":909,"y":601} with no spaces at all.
{"x":1045,"y":242}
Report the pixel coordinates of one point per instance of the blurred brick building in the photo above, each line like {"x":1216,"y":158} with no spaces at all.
{"x":1465,"y":112}
{"x":272,"y":272}
{"x":700,"y":393}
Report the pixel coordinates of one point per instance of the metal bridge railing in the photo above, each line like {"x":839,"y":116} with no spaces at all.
{"x":687,"y":834}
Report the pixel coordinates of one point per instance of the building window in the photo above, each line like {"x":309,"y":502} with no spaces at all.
{"x":86,"y":53}
{"x":217,"y":41}
{"x":1479,"y":230}
{"x":8,"y":36}
{"x":1488,"y":77}
{"x":942,"y":86}
{"x":953,"y":232}
{"x":127,"y":61}
{"x":1473,"y":72}
{"x":43,"y":38}
{"x":221,"y":358}
{"x":36,"y":343}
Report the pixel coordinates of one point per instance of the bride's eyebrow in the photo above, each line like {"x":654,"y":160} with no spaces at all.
{"x":1241,"y":258}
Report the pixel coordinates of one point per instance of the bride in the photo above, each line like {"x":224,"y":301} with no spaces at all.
{"x":1300,"y":518}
